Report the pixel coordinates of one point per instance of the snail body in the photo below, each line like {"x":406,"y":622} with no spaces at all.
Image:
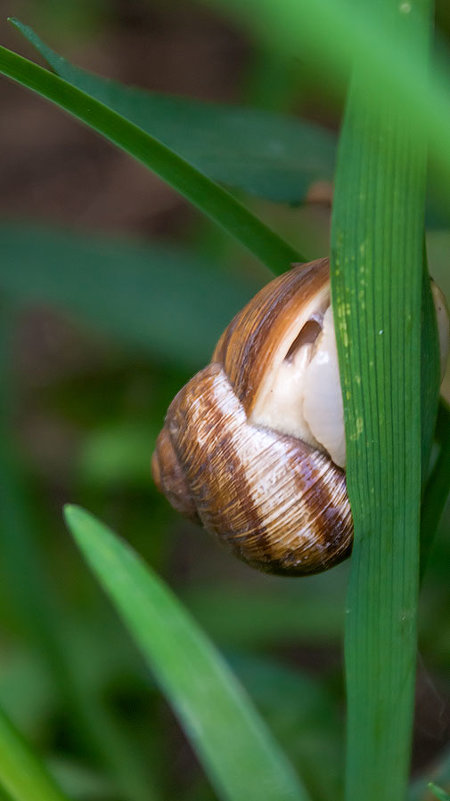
{"x":253,"y":446}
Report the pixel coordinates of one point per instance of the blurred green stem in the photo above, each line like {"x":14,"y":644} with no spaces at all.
{"x":40,"y":610}
{"x":22,"y":774}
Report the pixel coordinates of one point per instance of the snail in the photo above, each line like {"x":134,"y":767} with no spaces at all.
{"x":253,"y":446}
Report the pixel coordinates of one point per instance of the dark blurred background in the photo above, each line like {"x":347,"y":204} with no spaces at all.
{"x":83,"y":410}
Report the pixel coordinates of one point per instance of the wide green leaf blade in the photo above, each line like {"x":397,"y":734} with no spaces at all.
{"x":331,"y":34}
{"x":22,"y":775}
{"x":243,"y":762}
{"x":159,"y":298}
{"x":266,"y":154}
{"x":214,"y":201}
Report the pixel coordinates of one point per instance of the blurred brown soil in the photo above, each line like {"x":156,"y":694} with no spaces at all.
{"x":53,"y":169}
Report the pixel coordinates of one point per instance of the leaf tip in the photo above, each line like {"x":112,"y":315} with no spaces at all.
{"x":438,"y":792}
{"x":24,"y":29}
{"x":73,"y":514}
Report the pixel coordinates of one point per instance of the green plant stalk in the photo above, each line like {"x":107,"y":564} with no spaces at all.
{"x":40,"y":610}
{"x":218,"y":204}
{"x":22,"y":774}
{"x":377,"y":263}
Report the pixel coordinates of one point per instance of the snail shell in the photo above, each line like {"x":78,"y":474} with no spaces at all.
{"x":237,"y":452}
{"x":253,"y":447}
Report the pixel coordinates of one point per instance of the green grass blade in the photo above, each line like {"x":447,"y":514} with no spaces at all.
{"x":22,"y":775}
{"x":210,"y":198}
{"x":242,"y":761}
{"x":377,"y":264}
{"x":161,"y":299}
{"x":438,"y":792}
{"x":266,"y":154}
{"x":330,"y":34}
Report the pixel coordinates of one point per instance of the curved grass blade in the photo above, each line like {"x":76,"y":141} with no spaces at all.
{"x":210,"y":198}
{"x":236,"y":750}
{"x":266,"y":154}
{"x":22,"y":775}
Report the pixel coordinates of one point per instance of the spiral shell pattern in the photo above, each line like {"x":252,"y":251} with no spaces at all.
{"x":277,"y":502}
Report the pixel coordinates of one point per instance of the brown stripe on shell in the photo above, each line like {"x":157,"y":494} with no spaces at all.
{"x":207,"y":428}
{"x":264,"y":495}
{"x":310,"y":526}
{"x":322,"y":487}
{"x":168,"y":475}
{"x":247,"y":347}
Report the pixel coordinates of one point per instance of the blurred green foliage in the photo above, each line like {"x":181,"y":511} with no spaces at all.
{"x":95,"y":342}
